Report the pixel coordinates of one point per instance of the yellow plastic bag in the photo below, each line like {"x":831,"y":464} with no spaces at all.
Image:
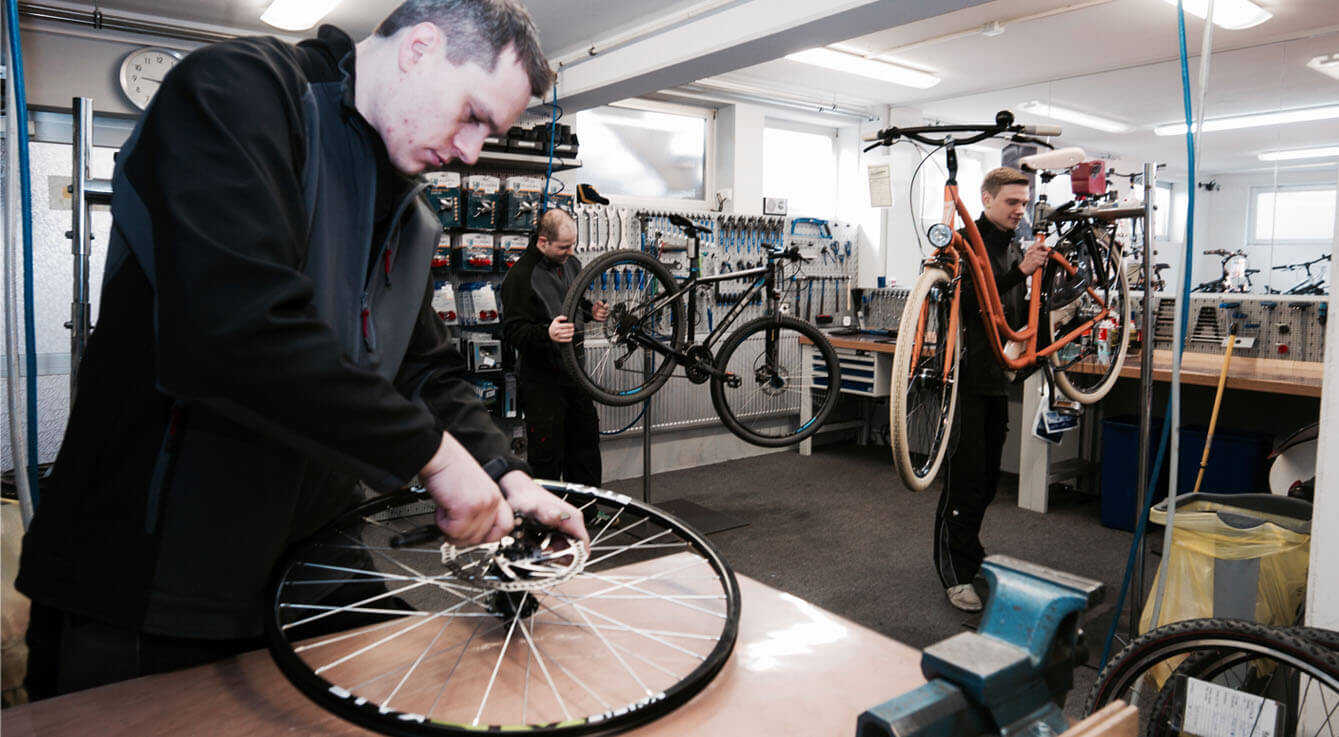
{"x":1201,"y":537}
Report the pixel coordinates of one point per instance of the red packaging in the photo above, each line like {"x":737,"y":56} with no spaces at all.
{"x":1089,"y":178}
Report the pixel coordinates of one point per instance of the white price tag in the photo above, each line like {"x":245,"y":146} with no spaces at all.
{"x":1218,"y":711}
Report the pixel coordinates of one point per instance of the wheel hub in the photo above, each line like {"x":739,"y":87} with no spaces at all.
{"x":772,"y":380}
{"x":531,"y":558}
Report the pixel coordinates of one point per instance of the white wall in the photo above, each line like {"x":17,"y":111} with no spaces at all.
{"x":1322,"y":604}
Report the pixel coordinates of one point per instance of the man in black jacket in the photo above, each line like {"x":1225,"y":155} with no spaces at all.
{"x":983,"y":406}
{"x":266,"y":338}
{"x":562,"y":429}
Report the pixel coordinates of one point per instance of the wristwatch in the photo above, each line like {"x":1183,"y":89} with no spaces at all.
{"x":500,"y":466}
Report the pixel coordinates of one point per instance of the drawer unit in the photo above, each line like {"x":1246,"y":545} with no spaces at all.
{"x":864,"y":373}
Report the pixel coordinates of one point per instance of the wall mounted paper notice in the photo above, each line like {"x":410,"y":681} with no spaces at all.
{"x":1218,"y":711}
{"x":880,"y":185}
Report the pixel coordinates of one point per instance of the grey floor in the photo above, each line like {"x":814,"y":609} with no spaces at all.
{"x":838,"y":529}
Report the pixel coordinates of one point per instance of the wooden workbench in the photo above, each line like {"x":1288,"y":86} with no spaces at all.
{"x":858,"y":343}
{"x":1299,"y":378}
{"x":796,"y":670}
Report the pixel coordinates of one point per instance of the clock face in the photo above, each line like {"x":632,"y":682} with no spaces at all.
{"x":142,"y":72}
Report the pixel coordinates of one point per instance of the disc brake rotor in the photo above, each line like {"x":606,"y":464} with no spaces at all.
{"x":532,"y":558}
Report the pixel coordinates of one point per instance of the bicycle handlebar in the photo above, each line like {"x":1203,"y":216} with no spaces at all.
{"x":1004,"y":123}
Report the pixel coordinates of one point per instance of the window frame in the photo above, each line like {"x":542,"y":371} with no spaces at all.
{"x":795,"y":126}
{"x":1252,"y":206}
{"x":1169,"y":218}
{"x":708,"y":115}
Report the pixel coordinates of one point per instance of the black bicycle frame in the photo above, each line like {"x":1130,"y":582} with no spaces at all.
{"x":763,"y":277}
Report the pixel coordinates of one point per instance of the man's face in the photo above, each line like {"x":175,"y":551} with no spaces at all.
{"x":1006,"y":207}
{"x":559,"y":249}
{"x":442,"y":112}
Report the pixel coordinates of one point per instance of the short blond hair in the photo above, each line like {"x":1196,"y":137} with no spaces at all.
{"x":1002,"y":176}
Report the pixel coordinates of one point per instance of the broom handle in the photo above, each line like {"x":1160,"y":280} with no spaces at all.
{"x":1217,"y":401}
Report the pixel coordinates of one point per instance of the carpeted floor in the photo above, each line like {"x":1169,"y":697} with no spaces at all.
{"x":838,"y":529}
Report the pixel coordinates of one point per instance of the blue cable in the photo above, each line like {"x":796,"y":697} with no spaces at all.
{"x":553,"y":133}
{"x":26,"y":195}
{"x":1180,"y":337}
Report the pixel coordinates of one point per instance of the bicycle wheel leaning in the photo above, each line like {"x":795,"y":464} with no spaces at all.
{"x":925,"y":379}
{"x":611,"y":360}
{"x":1296,"y":676}
{"x":1087,"y":368}
{"x":410,"y":637}
{"x":765,"y":406}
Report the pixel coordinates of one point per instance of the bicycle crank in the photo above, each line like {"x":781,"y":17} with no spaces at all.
{"x":702,"y":365}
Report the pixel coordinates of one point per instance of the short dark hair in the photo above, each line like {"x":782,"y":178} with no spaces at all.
{"x":478,"y":31}
{"x":1002,"y":176}
{"x":551,"y":223}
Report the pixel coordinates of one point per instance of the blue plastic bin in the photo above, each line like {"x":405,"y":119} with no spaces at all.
{"x":1238,"y":461}
{"x":1120,"y":469}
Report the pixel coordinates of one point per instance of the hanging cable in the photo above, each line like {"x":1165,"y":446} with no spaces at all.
{"x":20,"y":112}
{"x":553,"y":134}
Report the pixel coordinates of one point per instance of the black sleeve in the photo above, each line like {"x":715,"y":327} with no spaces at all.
{"x":217,"y":166}
{"x":1009,"y":279}
{"x":524,"y":327}
{"x":434,"y":374}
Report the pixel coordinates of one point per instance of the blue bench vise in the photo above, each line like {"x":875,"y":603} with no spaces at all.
{"x":1010,"y":677}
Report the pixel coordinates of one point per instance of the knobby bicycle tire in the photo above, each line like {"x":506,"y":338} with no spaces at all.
{"x":782,"y":381}
{"x":370,"y":525}
{"x":589,"y":284}
{"x":1154,"y":647}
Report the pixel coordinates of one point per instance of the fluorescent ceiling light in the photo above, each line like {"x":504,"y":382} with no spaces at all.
{"x":297,"y":15}
{"x":1077,"y":117}
{"x":1324,"y":152}
{"x":1231,"y":14}
{"x":1327,"y":65}
{"x":852,"y":64}
{"x":1255,"y":120}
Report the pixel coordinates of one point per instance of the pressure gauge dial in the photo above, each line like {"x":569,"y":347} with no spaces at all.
{"x":940,"y":235}
{"x":142,"y":72}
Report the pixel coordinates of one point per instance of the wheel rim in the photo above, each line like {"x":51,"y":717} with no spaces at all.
{"x":929,"y":388}
{"x":612,"y":355}
{"x":397,"y":640}
{"x":1089,"y":362}
{"x":764,"y":387}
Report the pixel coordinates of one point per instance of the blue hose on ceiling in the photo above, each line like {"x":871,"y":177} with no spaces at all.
{"x":1179,"y":339}
{"x":26,"y":196}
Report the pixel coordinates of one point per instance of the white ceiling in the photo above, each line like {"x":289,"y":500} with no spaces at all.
{"x":1115,"y":59}
{"x":559,"y":32}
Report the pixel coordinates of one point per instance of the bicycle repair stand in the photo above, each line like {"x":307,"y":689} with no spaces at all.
{"x":1010,"y":677}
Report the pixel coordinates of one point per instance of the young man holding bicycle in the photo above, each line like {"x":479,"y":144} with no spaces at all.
{"x":983,"y":407}
{"x":561,"y":426}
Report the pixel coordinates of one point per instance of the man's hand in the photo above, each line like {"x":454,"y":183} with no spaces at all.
{"x":560,"y":330}
{"x":599,"y":311}
{"x":470,"y":507}
{"x":529,"y":500}
{"x":1034,"y":258}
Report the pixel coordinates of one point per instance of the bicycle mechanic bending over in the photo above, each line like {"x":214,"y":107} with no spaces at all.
{"x":983,"y":407}
{"x":561,"y":426}
{"x":266,"y":338}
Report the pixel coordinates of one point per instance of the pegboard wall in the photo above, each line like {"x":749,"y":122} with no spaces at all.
{"x":1268,"y":326}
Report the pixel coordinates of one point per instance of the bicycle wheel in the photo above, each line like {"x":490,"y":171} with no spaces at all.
{"x":1238,"y":668}
{"x":1087,"y":367}
{"x":611,"y":360}
{"x":765,"y":361}
{"x":925,"y":380}
{"x":1291,"y":671}
{"x":415,"y":638}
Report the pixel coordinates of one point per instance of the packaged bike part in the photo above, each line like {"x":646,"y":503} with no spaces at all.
{"x":522,"y":195}
{"x":441,"y":256}
{"x":510,"y":249}
{"x":474,"y":251}
{"x":1089,"y":178}
{"x":444,"y":303}
{"x":478,"y":304}
{"x":562,"y":201}
{"x":482,"y":351}
{"x":480,"y":194}
{"x":444,"y":195}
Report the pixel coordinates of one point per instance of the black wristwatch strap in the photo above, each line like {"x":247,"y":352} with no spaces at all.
{"x":500,"y":466}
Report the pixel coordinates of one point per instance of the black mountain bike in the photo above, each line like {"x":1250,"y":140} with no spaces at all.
{"x":759,"y":385}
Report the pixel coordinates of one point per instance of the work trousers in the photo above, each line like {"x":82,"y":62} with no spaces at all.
{"x":969,"y":487}
{"x":562,"y":433}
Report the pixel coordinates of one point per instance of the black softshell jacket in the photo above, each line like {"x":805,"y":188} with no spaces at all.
{"x":265,"y":340}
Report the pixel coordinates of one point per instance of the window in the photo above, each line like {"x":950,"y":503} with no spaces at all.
{"x":1162,"y":212}
{"x":1300,"y":214}
{"x":646,"y":150}
{"x":800,"y":164}
{"x":971,"y":172}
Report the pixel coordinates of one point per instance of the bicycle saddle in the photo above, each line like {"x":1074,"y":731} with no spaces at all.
{"x":689,"y":228}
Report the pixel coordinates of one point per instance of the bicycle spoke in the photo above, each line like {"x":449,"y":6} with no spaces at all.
{"x":502,"y":652}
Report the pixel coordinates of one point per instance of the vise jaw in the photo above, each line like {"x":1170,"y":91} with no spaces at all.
{"x":1009,"y":677}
